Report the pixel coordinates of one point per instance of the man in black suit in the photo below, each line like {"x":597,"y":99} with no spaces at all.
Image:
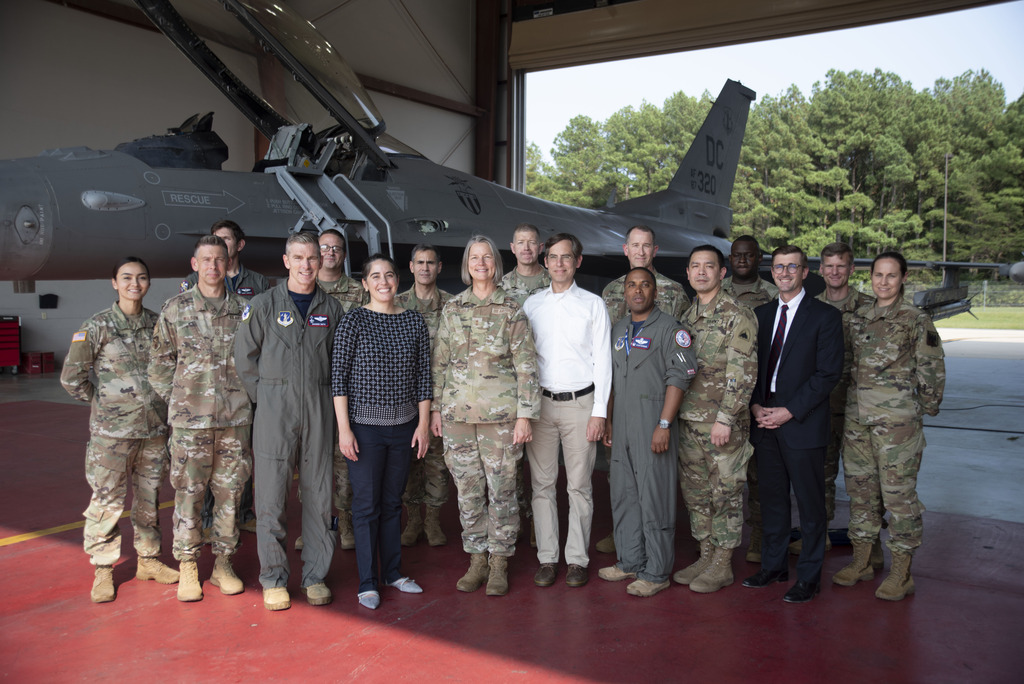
{"x":800,"y":359}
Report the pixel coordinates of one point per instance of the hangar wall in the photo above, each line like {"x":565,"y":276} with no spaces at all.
{"x":71,"y":78}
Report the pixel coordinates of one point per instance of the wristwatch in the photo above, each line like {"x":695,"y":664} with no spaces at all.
{"x":664,"y":424}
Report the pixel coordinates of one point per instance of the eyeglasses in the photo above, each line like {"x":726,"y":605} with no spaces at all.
{"x":560,"y":258}
{"x":786,"y":268}
{"x":337,"y":249}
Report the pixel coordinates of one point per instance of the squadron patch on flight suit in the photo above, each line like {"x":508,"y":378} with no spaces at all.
{"x":620,"y":343}
{"x":245,"y":312}
{"x":284,"y":319}
{"x":683,"y":338}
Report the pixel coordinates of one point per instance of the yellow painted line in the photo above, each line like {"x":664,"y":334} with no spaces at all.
{"x":17,"y":539}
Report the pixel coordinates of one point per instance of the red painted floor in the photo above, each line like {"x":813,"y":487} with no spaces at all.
{"x":964,"y":624}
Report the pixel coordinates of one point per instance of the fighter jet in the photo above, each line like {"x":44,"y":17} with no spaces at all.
{"x":330,"y":164}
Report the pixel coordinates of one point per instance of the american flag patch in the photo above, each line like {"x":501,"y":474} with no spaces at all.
{"x":78,"y":336}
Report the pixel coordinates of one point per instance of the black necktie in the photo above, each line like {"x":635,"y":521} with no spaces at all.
{"x":776,"y":352}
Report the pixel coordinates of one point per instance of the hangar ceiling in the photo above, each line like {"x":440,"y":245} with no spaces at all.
{"x":448,"y":74}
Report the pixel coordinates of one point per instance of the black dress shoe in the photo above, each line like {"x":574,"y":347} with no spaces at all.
{"x":802,"y":592}
{"x":765,"y":577}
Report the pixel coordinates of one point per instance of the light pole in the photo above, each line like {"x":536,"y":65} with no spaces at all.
{"x":945,"y":206}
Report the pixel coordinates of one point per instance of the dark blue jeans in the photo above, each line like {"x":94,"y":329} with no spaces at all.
{"x":378,"y":480}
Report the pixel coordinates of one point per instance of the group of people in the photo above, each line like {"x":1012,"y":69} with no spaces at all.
{"x":377,"y":397}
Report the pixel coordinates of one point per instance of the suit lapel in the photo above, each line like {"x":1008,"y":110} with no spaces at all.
{"x":799,"y":319}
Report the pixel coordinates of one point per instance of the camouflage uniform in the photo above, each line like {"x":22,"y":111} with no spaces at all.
{"x":127,"y":427}
{"x":192,"y":367}
{"x":428,"y":476}
{"x":848,"y":305}
{"x":761,"y":292}
{"x":897,"y":375}
{"x":519,"y":287}
{"x":671,"y":297}
{"x":350,"y":294}
{"x":246,"y":284}
{"x":711,"y":478}
{"x":485,"y":378}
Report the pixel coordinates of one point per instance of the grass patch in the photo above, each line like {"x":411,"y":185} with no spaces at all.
{"x":992,"y":318}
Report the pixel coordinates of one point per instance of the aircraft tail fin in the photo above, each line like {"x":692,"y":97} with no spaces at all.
{"x":698,"y":196}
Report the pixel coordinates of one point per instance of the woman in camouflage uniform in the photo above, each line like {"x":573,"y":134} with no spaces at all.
{"x":106,"y":365}
{"x":485,"y":393}
{"x":897,"y":376}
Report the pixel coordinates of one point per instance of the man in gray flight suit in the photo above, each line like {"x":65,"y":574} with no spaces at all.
{"x":283,"y":356}
{"x":653,"y":362}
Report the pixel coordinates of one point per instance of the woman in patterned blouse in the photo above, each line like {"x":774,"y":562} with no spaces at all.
{"x":382,"y":392}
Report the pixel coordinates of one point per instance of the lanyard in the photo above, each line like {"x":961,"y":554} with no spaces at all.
{"x":630,"y":335}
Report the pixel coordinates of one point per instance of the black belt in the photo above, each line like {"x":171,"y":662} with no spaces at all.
{"x":568,"y":396}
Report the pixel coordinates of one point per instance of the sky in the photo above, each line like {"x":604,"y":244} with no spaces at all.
{"x":917,"y":50}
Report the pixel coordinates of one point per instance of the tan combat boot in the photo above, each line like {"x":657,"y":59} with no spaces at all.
{"x":149,"y":568}
{"x":859,"y":569}
{"x":606,"y":545}
{"x":690,"y":573}
{"x":877,"y":556}
{"x":432,"y":526}
{"x":718,"y":574}
{"x":754,"y":549}
{"x":497,"y":580}
{"x":898,"y":584}
{"x":189,"y":588}
{"x":103,"y":585}
{"x":346,"y":535}
{"x":476,"y":575}
{"x":413,"y":525}
{"x":224,"y":577}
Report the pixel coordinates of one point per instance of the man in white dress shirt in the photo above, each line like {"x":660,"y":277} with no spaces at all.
{"x":571,"y":331}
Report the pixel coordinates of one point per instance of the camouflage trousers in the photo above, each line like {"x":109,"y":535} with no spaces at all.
{"x":482,"y":460}
{"x":832,"y":455}
{"x":711,"y":480}
{"x":342,"y":485}
{"x":108,"y":461}
{"x":881,"y":463}
{"x":524,"y":489}
{"x":215,"y":458}
{"x":428,"y":477}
